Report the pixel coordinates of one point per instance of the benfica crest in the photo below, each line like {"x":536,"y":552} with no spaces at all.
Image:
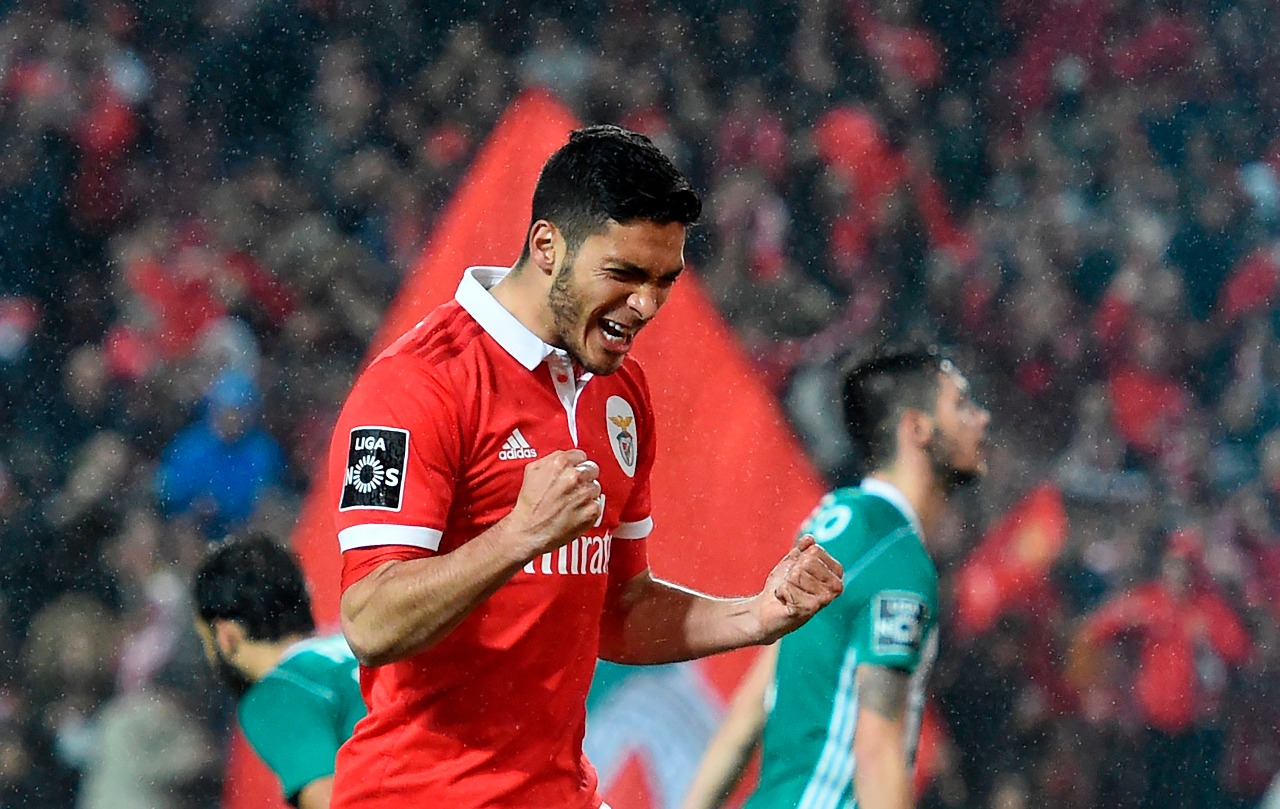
{"x":622,"y":433}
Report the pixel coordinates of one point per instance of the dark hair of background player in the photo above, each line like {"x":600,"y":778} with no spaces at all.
{"x":253,"y":580}
{"x":875,"y":392}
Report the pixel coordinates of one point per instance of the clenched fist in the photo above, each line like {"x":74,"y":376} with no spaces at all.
{"x":803,"y":582}
{"x":559,"y":500}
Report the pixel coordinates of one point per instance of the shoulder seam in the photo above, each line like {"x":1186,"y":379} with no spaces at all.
{"x":876,"y":550}
{"x":327,"y":694}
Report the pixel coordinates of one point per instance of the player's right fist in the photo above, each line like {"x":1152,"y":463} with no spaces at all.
{"x":559,"y":500}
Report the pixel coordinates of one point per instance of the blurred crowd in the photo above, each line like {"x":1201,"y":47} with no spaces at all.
{"x":205,"y":208}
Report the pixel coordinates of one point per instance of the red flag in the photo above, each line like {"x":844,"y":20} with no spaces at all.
{"x":1012,"y":563}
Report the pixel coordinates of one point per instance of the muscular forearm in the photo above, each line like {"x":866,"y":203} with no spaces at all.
{"x":653,"y":621}
{"x":406,"y":606}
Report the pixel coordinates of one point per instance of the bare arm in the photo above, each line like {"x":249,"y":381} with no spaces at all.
{"x":316,"y":794}
{"x":882,"y":779}
{"x":653,"y":621}
{"x":406,"y":606}
{"x":739,"y":734}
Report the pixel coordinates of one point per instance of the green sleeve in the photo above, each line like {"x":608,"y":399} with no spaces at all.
{"x":293,"y":727}
{"x":891,"y":627}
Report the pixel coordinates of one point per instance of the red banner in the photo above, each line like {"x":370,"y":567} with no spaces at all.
{"x":1011,"y":565}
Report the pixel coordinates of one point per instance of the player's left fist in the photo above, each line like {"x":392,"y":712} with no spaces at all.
{"x":803,"y":582}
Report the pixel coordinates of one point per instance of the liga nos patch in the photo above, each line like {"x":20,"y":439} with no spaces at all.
{"x":375,"y":468}
{"x":897,"y":625}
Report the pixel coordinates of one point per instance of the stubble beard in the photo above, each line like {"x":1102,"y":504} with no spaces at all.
{"x":234,"y":679}
{"x":567,"y":317}
{"x":949,"y":477}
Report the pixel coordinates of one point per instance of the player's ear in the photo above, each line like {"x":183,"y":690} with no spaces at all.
{"x":916,"y":427}
{"x":545,"y":246}
{"x":228,"y":635}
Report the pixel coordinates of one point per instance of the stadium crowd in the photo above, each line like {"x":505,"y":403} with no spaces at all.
{"x":205,"y":208}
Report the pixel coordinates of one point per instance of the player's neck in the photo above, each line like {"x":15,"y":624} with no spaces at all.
{"x":523,"y":293}
{"x":917,"y":484}
{"x":258,"y":658}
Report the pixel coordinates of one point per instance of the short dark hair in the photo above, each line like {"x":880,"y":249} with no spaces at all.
{"x":607,"y":173}
{"x":253,"y":580}
{"x":877,"y":390}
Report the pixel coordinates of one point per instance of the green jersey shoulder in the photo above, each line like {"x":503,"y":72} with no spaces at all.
{"x":886,"y":616}
{"x":300,"y":713}
{"x":890,"y":601}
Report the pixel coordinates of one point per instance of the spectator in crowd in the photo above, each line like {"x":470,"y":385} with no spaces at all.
{"x":218,"y":471}
{"x":148,"y":750}
{"x":1191,"y":639}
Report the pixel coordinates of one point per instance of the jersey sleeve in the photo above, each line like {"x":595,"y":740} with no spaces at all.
{"x":394,"y":458}
{"x":360,"y":562}
{"x":891,"y":627}
{"x":630,"y":550}
{"x":294,"y":729}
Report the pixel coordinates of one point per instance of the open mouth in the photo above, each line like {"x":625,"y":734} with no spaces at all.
{"x":616,"y":336}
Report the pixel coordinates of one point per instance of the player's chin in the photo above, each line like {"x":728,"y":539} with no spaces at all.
{"x":601,"y":366}
{"x":960,"y":475}
{"x":602,"y":359}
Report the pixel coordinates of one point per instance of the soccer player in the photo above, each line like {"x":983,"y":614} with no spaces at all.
{"x":491,"y":493}
{"x":843,"y":719}
{"x":298,"y":695}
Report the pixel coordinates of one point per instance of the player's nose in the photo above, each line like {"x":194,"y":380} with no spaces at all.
{"x":644,"y":301}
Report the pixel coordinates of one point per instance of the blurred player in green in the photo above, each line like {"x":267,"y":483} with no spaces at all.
{"x":299,"y":696}
{"x":839,"y":726}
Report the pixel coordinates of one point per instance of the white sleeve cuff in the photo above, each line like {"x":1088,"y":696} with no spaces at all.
{"x":634,"y":530}
{"x":371,"y":535}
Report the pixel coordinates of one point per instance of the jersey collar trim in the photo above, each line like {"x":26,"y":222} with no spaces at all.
{"x":514,"y":337}
{"x":887,"y":491}
{"x":292,"y":649}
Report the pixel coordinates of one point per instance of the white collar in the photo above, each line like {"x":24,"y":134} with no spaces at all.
{"x":516,"y":339}
{"x":887,"y":491}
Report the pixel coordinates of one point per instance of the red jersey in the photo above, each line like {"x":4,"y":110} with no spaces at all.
{"x":1185,"y":645}
{"x":428,"y":453}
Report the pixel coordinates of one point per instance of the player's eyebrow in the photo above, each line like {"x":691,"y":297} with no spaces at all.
{"x":633,"y":268}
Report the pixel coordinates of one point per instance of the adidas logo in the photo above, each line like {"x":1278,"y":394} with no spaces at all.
{"x":516,"y":448}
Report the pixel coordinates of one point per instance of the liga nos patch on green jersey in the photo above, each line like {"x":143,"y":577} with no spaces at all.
{"x":898,"y":622}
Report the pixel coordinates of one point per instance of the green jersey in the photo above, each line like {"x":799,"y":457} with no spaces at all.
{"x":886,"y":616}
{"x":298,"y":715}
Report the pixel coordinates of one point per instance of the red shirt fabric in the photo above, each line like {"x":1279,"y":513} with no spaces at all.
{"x":1177,"y":637}
{"x":1165,"y":44}
{"x":1145,"y":405}
{"x":903,"y":52}
{"x":178,"y":292}
{"x":1049,"y":33}
{"x":428,"y":453}
{"x":1252,"y":287}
